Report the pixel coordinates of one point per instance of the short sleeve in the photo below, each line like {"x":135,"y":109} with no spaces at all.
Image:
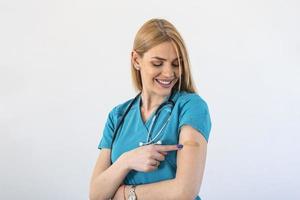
{"x":195,"y":113}
{"x":108,"y":131}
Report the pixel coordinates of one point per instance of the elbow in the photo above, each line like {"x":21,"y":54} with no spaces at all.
{"x":187,"y":189}
{"x":93,"y":197}
{"x":187,"y":193}
{"x":186,"y":196}
{"x":92,"y":193}
{"x":95,"y":194}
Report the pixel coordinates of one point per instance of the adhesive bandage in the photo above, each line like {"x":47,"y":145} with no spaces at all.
{"x":191,"y":143}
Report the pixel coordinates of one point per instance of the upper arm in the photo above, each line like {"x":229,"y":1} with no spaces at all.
{"x":103,"y":162}
{"x":191,"y":160}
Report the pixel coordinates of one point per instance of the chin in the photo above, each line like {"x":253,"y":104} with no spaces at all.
{"x":164,"y":92}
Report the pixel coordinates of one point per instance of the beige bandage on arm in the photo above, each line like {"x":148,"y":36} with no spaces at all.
{"x":191,"y":143}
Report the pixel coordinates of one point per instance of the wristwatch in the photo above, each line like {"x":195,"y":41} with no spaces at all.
{"x":132,"y":195}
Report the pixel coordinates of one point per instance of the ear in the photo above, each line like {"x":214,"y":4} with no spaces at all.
{"x":135,"y":60}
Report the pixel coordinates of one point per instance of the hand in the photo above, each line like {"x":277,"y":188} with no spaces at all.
{"x":147,"y":158}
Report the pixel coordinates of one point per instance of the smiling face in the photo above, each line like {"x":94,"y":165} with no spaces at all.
{"x":159,"y":69}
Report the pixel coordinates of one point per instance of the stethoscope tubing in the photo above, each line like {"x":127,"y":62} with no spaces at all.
{"x":169,"y":101}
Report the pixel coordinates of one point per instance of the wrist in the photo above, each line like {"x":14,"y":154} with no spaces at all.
{"x":126,"y":192}
{"x":123,"y":159}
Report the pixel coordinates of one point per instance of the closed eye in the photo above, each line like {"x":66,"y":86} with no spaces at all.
{"x":160,"y":64}
{"x":157,"y":64}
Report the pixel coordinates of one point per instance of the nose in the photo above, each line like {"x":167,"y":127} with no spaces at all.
{"x":168,"y":71}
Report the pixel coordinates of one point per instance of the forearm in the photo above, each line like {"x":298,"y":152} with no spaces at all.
{"x":163,"y":190}
{"x":105,"y":185}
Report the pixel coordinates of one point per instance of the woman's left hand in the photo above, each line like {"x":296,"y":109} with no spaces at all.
{"x":119,"y":194}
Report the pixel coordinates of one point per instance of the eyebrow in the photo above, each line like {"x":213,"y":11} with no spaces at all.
{"x":159,"y":58}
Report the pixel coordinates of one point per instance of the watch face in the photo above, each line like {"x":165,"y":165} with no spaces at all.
{"x":132,"y":198}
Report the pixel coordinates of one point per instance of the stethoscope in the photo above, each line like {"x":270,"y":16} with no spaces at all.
{"x":149,"y":141}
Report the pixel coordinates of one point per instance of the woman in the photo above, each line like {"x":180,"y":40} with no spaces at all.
{"x":154,"y":145}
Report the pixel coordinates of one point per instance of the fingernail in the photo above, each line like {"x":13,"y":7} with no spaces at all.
{"x":179,"y":146}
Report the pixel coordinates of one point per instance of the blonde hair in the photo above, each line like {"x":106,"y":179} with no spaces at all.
{"x":154,"y":32}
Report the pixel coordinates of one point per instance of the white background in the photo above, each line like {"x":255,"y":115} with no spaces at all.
{"x":64,"y":65}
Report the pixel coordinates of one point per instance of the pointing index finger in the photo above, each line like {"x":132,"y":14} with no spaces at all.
{"x":167,"y":147}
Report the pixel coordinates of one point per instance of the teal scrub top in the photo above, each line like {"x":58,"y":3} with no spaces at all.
{"x":189,"y":109}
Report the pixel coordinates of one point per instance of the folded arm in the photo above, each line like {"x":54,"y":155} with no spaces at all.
{"x":190,"y":168}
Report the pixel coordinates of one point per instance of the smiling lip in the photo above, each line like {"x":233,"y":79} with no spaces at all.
{"x":165,"y":83}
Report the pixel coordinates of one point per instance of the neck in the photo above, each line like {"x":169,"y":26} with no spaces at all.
{"x":150,"y":102}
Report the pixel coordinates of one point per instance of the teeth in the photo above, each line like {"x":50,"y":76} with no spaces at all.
{"x":164,"y":82}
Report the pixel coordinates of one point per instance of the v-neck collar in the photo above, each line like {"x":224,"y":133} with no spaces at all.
{"x":146,"y":123}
